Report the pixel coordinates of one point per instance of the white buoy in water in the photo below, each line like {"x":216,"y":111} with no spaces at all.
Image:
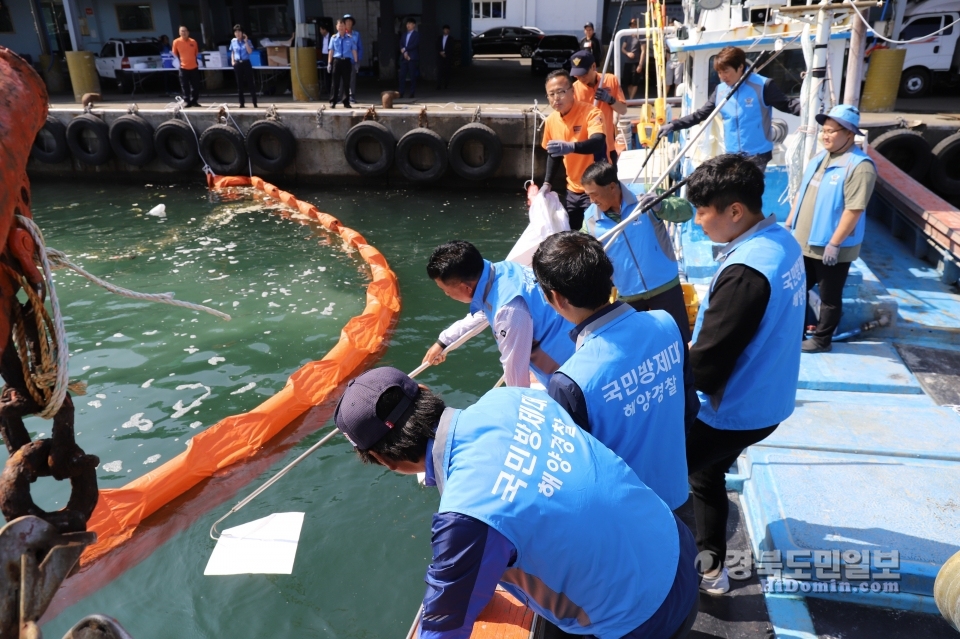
{"x":160,"y":210}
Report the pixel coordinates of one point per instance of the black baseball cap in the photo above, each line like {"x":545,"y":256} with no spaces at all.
{"x":580,"y":63}
{"x":356,"y":413}
{"x":589,"y":24}
{"x":347,"y":16}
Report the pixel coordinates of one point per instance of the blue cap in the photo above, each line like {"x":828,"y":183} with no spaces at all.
{"x":845,"y":115}
{"x":580,"y":63}
{"x":356,"y":413}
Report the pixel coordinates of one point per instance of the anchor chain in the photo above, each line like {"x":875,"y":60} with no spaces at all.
{"x":33,"y":368}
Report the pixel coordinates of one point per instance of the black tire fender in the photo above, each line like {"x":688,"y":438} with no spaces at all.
{"x":176,"y":145}
{"x":50,"y":145}
{"x":945,"y":171}
{"x":135,"y":129}
{"x":217,"y":139}
{"x":263,"y":158}
{"x":907,"y":150}
{"x":492,"y":151}
{"x":379,"y":134}
{"x":425,"y":138}
{"x":89,"y":124}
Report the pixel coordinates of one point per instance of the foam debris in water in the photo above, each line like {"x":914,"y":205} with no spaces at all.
{"x":245,"y":388}
{"x":147,"y":383}
{"x":152,"y":459}
{"x":160,"y":210}
{"x":95,"y":403}
{"x":179,"y":409}
{"x":213,"y":361}
{"x":150,"y":332}
{"x":196,"y":424}
{"x":139,"y":422}
{"x":113,"y":467}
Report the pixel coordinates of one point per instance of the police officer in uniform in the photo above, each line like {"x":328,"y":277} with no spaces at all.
{"x":828,"y":217}
{"x":746,"y":342}
{"x":626,"y":383}
{"x":645,"y":266}
{"x":530,"y":501}
{"x":531,"y":335}
{"x":747,"y":115}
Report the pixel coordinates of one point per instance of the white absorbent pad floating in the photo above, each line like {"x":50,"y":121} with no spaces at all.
{"x":265,"y":546}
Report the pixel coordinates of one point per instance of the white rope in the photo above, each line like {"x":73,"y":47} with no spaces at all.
{"x":538,"y":120}
{"x":179,"y":109}
{"x":888,"y":40}
{"x":60,"y":333}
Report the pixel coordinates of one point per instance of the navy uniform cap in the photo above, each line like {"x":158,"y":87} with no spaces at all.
{"x":356,"y":413}
{"x":580,"y":63}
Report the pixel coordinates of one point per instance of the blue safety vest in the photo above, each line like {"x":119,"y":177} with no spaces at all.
{"x":762,"y":389}
{"x":597,"y":551}
{"x":746,"y":117}
{"x":828,"y":207}
{"x":642,"y":255}
{"x":505,"y":281}
{"x":629,"y":366}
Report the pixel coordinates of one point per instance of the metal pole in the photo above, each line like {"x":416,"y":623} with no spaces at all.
{"x":858,"y":42}
{"x":40,"y":27}
{"x":73,"y":25}
{"x":298,"y":17}
{"x":818,"y":71}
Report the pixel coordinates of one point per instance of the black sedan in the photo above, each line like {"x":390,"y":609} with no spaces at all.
{"x":554,"y":52}
{"x":505,"y":40}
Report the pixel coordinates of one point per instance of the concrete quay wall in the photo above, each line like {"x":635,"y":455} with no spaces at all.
{"x":320,"y":138}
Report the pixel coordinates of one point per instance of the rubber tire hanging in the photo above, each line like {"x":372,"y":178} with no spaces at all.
{"x":99,"y":129}
{"x":137,"y":126}
{"x":176,"y":131}
{"x":284,"y":138}
{"x":945,"y":172}
{"x":422,"y":137}
{"x":57,"y":132}
{"x":492,"y":151}
{"x":208,"y":150}
{"x":379,"y":134}
{"x":907,"y":150}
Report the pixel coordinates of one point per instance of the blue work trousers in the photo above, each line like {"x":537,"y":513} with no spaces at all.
{"x":411,"y":69}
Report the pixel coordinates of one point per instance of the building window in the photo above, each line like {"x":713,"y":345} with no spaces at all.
{"x":6,"y":24}
{"x":490,"y":9}
{"x":134,"y":17}
{"x":267,"y":20}
{"x":190,"y":17}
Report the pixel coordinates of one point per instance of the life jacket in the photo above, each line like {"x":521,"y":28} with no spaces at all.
{"x":746,"y":117}
{"x":762,"y":389}
{"x":505,"y":281}
{"x":828,"y":207}
{"x":642,"y":255}
{"x":629,"y":366}
{"x":597,"y":550}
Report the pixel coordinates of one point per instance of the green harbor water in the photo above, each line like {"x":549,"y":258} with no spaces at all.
{"x":158,"y":375}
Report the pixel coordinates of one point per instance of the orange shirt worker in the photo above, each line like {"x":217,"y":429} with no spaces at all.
{"x":186,"y":50}
{"x":588,"y":87}
{"x":574,"y":131}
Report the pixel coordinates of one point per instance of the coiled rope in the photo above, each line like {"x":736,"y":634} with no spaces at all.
{"x":47,"y":379}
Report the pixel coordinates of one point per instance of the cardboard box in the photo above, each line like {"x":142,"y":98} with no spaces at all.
{"x":278,"y":56}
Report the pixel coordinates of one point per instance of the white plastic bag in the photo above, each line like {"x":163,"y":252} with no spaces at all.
{"x":547,"y":216}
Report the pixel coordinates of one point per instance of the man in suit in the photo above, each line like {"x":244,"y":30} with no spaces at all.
{"x":409,"y":58}
{"x":445,"y":61}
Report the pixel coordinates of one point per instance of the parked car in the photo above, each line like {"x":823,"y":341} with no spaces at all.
{"x":117,"y":55}
{"x":553,"y":53}
{"x":507,"y":40}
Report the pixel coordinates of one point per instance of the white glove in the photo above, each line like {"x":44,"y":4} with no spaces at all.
{"x":830,"y":254}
